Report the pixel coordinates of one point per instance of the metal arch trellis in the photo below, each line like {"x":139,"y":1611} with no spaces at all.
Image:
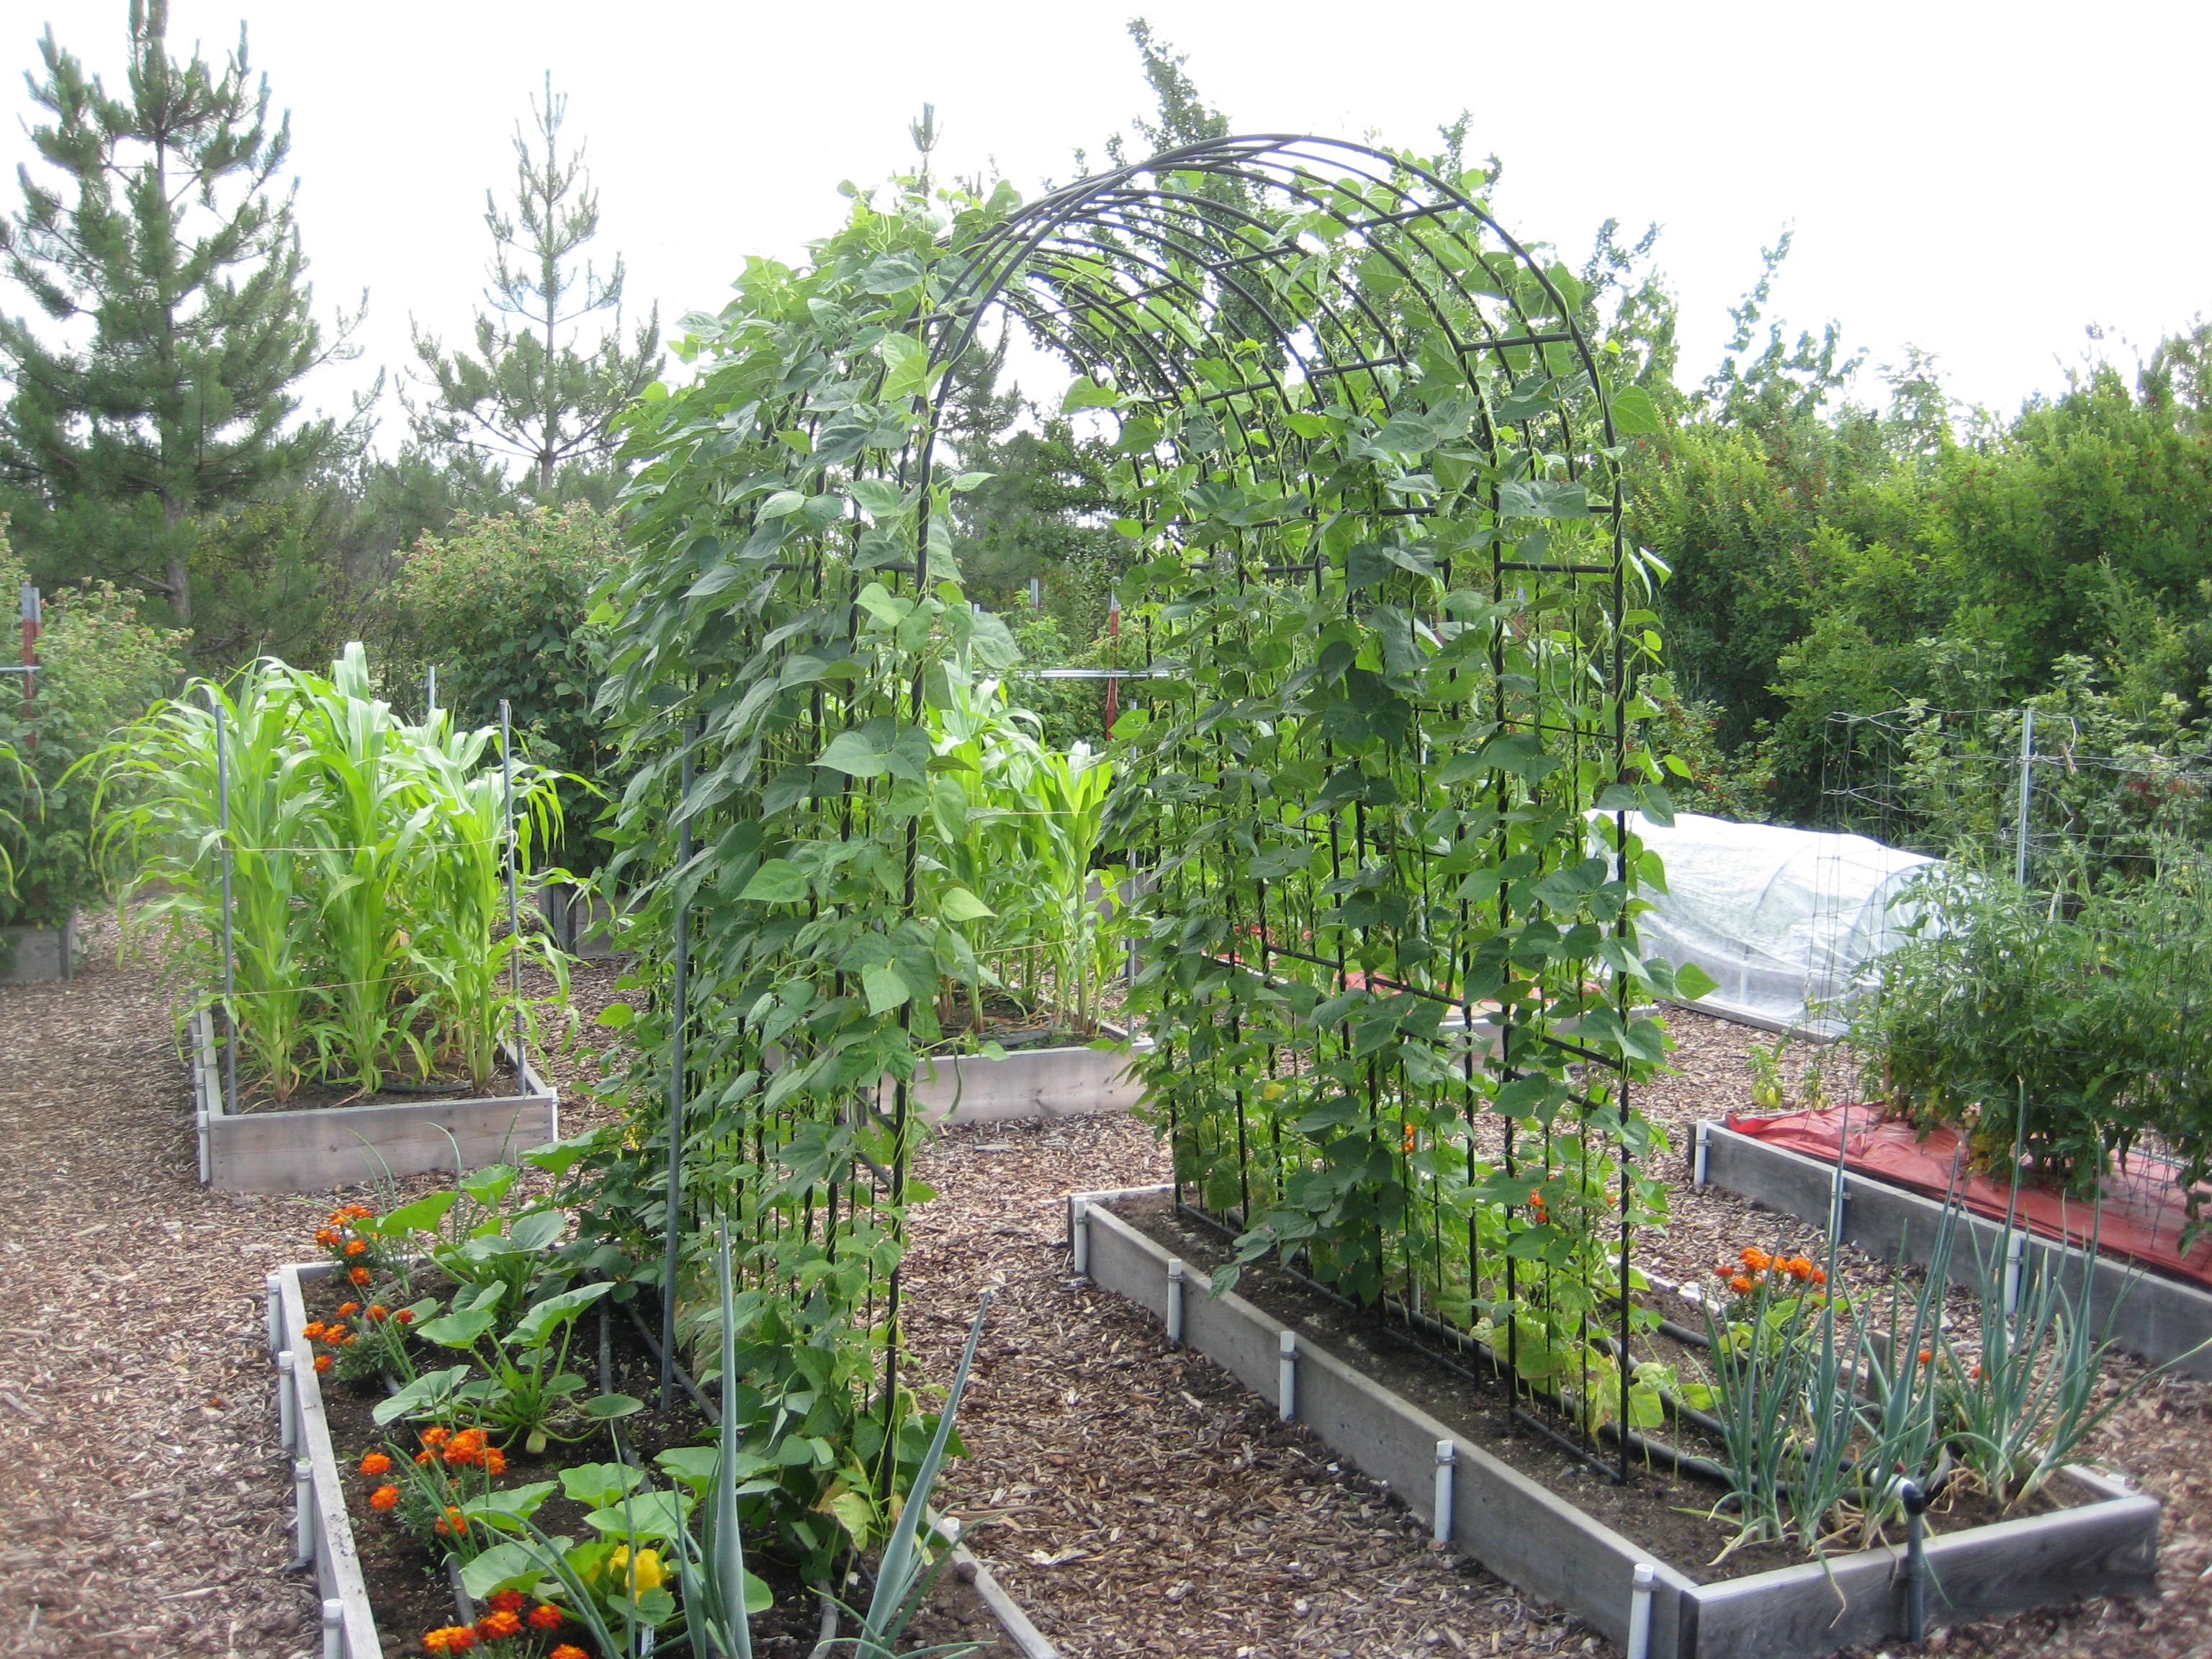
{"x":1383,"y":784}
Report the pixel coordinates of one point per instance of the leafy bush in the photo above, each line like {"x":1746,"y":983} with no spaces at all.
{"x":100,"y":666}
{"x":2071,"y":1028}
{"x":500,"y":607}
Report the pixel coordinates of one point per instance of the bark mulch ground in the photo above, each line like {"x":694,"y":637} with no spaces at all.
{"x":1133,"y":1499}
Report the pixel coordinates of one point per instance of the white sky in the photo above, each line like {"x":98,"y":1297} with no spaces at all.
{"x":1980,"y":180}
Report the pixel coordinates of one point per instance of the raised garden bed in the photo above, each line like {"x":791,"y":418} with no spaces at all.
{"x":1039,"y":1082}
{"x":1515,"y":1525}
{"x":326,"y":1429}
{"x":28,"y":955}
{"x":320,"y":1148}
{"x":2160,"y":1319}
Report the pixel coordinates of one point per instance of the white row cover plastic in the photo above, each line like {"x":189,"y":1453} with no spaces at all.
{"x":1787,"y":922}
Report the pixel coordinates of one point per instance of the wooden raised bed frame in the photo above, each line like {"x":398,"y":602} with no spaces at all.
{"x":323,"y":1529}
{"x":2107,"y":1546}
{"x":315,"y":1151}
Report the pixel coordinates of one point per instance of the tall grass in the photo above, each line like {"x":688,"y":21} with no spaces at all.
{"x":368,"y":860}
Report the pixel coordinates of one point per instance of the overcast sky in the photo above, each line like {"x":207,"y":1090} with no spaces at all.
{"x":1984,"y":181}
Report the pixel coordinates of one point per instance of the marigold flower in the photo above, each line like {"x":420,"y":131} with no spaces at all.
{"x":313,"y":1330}
{"x":376,"y":1311}
{"x":1741,"y":1286}
{"x":326,"y":1237}
{"x":348,"y":1309}
{"x":1927,"y":1355}
{"x":424,"y":1458}
{"x":567,"y":1650}
{"x":546,"y":1616}
{"x":1976,"y":1373}
{"x":375,"y":1463}
{"x":498,"y":1624}
{"x":1721,"y":1272}
{"x":322,"y":1362}
{"x":384,"y":1497}
{"x":436,"y":1436}
{"x":1820,"y":1276}
{"x":495,"y":1461}
{"x":453,"y":1638}
{"x":356,"y":1247}
{"x":335,"y":1331}
{"x":1756,"y":1260}
{"x":405,"y":1315}
{"x":506,"y":1601}
{"x":359,"y":1275}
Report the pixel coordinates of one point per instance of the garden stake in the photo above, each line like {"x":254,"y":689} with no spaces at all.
{"x":1640,"y":1612}
{"x":1286,"y":1375}
{"x":1079,"y":1237}
{"x":1447,"y":1455}
{"x":430,"y":695}
{"x":1916,"y":1559}
{"x":514,"y":909}
{"x":2015,"y":1246}
{"x":1174,"y":1301}
{"x":679,"y":1013}
{"x":2026,"y":762}
{"x":1704,"y":1146}
{"x":333,"y":1630}
{"x":229,"y":953}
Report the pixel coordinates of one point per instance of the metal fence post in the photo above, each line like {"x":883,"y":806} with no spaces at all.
{"x":230,"y":952}
{"x":513,"y":906}
{"x":679,"y":1014}
{"x":1174,"y":1301}
{"x":1286,"y":1375}
{"x":2027,"y":765}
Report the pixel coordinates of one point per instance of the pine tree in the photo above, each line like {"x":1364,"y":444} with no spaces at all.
{"x":528,"y":393}
{"x":174,"y":267}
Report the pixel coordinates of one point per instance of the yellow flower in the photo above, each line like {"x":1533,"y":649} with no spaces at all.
{"x":646,"y":1573}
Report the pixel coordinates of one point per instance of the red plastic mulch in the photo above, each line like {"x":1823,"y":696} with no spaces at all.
{"x":2145,"y":1207}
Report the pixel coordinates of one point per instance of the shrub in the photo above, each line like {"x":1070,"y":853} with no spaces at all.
{"x":99,"y":667}
{"x":499,"y":605}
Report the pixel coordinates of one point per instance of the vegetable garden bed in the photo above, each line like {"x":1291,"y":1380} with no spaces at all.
{"x":321,"y":1148}
{"x":374,"y":1591}
{"x":28,"y":955}
{"x":2104,"y":1544}
{"x":2158,"y":1318}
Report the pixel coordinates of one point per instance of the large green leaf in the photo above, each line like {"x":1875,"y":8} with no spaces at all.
{"x":779,"y":881}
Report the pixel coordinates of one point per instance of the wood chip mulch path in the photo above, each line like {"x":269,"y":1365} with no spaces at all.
{"x":1134,"y":1500}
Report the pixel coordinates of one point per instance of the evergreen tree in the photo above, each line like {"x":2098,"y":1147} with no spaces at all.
{"x":528,"y":393}
{"x":174,"y":267}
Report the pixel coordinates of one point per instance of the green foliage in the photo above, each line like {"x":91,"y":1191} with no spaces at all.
{"x":2060,"y":1032}
{"x":165,"y":231}
{"x":500,"y":607}
{"x":100,"y":667}
{"x":368,"y":862}
{"x":528,"y":393}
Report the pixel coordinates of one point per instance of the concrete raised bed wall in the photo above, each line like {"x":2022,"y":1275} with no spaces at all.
{"x":311,"y":1151}
{"x":2156,"y":1318}
{"x":1028,"y":1083}
{"x":1545,"y":1545}
{"x":28,"y":955}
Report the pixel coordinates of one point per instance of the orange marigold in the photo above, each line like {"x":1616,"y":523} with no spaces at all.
{"x":1756,"y":1260}
{"x":436,"y":1436}
{"x":313,"y":1330}
{"x":356,"y":1247}
{"x":348,"y":1309}
{"x":384,"y":1497}
{"x":322,"y":1362}
{"x":359,"y":1275}
{"x":546,"y":1616}
{"x":1820,"y":1276}
{"x":405,"y":1315}
{"x":567,"y":1650}
{"x":375,"y":1463}
{"x":453,"y":1638}
{"x":424,"y":1458}
{"x":1741,"y":1286}
{"x":495,"y":1461}
{"x":506,"y":1601}
{"x":375,"y":1311}
{"x":335,"y":1331}
{"x":1927,"y":1356}
{"x":498,"y":1624}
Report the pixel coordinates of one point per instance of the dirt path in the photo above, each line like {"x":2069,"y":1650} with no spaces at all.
{"x":1137,"y":1501}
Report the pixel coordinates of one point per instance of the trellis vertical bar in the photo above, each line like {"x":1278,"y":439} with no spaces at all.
{"x":229,"y":948}
{"x":430,"y":694}
{"x":2026,"y":773}
{"x":513,"y":884}
{"x":679,"y":1014}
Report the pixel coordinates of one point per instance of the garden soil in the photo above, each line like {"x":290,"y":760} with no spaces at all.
{"x":1134,"y":1500}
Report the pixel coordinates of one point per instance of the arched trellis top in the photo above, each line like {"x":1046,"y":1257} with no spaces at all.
{"x":1255,"y":282}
